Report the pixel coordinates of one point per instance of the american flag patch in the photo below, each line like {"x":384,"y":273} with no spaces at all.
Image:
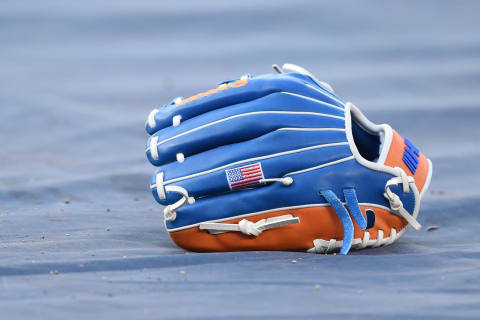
{"x":243,"y":177}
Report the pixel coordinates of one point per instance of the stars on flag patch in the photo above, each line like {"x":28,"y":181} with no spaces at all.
{"x":244,"y":177}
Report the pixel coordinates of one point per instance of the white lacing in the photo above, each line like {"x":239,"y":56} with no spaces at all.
{"x":180,"y":157}
{"x":153,"y":147}
{"x":151,"y":116}
{"x":327,"y":246}
{"x":396,"y":204}
{"x":248,"y":227}
{"x":170,"y":211}
{"x":289,"y":67}
{"x":176,"y":120}
{"x":286,"y":181}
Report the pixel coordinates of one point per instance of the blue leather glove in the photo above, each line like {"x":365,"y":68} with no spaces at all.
{"x":280,"y":162}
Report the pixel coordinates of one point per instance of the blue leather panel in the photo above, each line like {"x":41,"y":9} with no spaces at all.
{"x":256,"y":88}
{"x":369,"y":186}
{"x":271,"y":143}
{"x":242,"y":128}
{"x":255,"y":135}
{"x":216,"y":182}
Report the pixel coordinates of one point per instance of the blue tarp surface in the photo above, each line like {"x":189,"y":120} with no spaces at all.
{"x":80,"y":234}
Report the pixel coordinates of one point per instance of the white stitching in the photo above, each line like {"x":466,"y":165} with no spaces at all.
{"x":296,"y":129}
{"x":310,"y":129}
{"x":262,"y":158}
{"x":321,"y":166}
{"x":328,"y":94}
{"x":318,"y":114}
{"x":310,"y":205}
{"x":315,"y":100}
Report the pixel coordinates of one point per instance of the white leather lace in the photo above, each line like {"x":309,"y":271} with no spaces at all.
{"x":286,"y":181}
{"x":256,"y":228}
{"x":327,"y":246}
{"x":396,"y":205}
{"x":175,"y":120}
{"x":170,"y":210}
{"x":248,"y":227}
{"x":151,"y":118}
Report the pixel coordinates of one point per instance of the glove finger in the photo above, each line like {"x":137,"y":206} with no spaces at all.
{"x":210,"y":173}
{"x":303,"y":192}
{"x":243,"y":90}
{"x":275,"y":196}
{"x":240,"y":123}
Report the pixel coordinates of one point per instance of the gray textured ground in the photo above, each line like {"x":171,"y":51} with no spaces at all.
{"x":77,"y":80}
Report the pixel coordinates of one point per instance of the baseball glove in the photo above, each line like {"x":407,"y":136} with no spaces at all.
{"x":280,"y":162}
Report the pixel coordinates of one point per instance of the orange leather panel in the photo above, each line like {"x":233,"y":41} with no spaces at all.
{"x":315,"y":223}
{"x":394,"y":159}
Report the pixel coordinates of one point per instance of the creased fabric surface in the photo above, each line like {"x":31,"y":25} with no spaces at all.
{"x":80,"y":234}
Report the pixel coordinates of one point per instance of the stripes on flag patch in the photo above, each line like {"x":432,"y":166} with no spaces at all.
{"x":243,"y":177}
